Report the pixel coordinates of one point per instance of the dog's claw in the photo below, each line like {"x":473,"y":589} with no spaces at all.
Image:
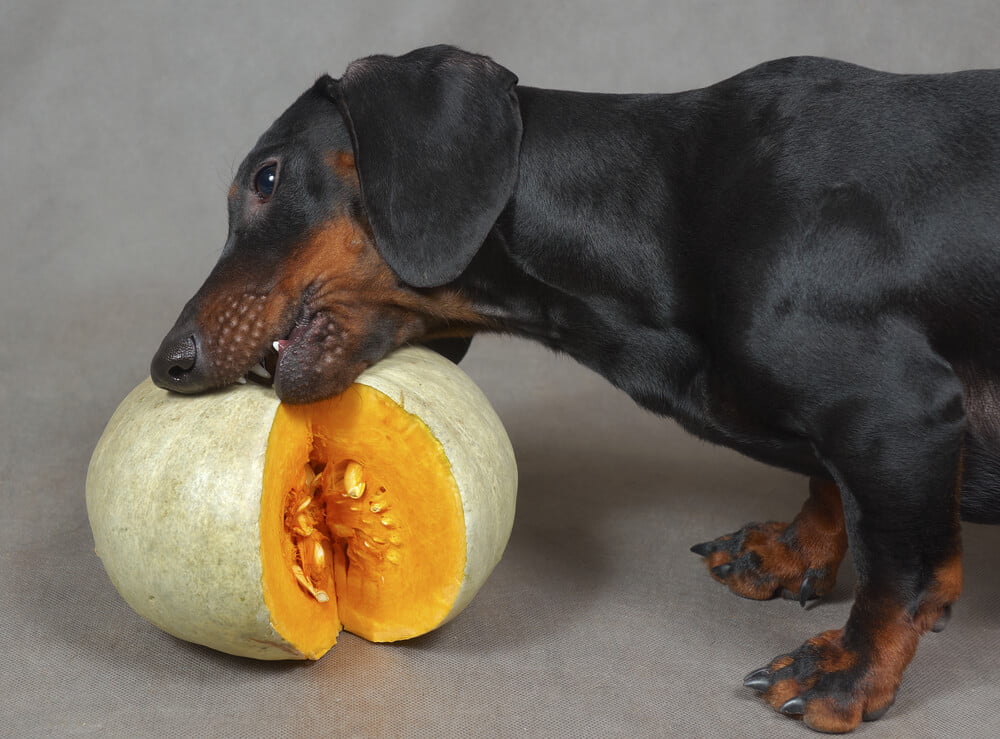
{"x":807,"y":589}
{"x":794,"y":706}
{"x":722,"y":571}
{"x":759,"y":680}
{"x":942,"y":621}
{"x":703,"y":549}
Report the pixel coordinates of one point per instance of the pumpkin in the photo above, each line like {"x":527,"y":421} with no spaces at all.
{"x":262,"y":529}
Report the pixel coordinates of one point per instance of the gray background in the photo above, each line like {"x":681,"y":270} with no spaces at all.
{"x":120,"y":126}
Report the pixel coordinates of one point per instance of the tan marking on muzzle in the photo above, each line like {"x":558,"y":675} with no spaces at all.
{"x":338,"y":270}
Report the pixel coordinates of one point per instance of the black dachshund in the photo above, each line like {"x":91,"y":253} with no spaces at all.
{"x":801,"y":263}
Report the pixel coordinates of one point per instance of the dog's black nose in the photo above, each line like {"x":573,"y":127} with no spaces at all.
{"x":174,"y":365}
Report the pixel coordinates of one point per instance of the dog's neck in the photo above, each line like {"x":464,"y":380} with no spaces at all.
{"x":589,"y":176}
{"x":593,"y":257}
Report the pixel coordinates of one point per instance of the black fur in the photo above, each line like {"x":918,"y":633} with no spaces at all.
{"x":435,"y":137}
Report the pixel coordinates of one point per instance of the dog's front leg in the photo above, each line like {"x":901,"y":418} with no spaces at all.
{"x":889,"y":427}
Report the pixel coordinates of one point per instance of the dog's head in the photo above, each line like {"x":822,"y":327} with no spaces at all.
{"x":349,"y":222}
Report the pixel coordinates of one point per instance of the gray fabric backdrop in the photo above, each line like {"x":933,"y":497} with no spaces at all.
{"x":120,"y":126}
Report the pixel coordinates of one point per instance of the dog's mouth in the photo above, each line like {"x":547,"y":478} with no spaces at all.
{"x":266,"y":367}
{"x":310,"y":362}
{"x":262,"y":373}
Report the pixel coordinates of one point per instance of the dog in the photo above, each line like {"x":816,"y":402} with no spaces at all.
{"x":801,"y":263}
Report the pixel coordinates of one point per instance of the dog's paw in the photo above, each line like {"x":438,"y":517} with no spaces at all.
{"x":830,"y":687}
{"x":765,"y":560}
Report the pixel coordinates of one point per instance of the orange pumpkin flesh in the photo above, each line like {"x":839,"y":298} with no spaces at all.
{"x":382,"y":554}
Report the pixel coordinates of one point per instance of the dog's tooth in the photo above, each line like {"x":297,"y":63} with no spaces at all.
{"x":241,"y":380}
{"x":258,"y":369}
{"x":277,"y":346}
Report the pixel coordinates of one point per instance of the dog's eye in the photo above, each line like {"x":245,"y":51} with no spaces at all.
{"x":265,"y":180}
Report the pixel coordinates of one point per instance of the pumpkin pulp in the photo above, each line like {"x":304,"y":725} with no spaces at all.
{"x":362,"y":524}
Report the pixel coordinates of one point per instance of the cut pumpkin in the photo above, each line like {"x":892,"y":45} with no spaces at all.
{"x":261,"y":529}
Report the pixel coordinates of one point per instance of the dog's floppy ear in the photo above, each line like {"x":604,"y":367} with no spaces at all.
{"x":436,"y":137}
